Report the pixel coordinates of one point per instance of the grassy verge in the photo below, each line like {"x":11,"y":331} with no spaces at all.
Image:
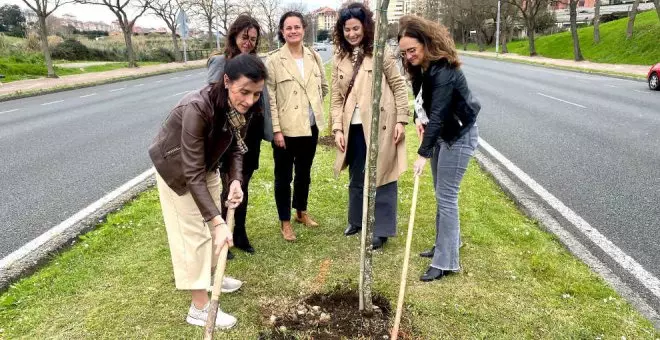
{"x":517,"y":281}
{"x":614,"y":48}
{"x":14,"y":71}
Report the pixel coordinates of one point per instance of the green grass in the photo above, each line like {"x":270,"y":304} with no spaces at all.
{"x":517,"y":281}
{"x":642,"y":49}
{"x":26,"y":70}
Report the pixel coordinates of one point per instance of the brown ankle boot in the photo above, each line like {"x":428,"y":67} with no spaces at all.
{"x":287,"y":231}
{"x":303,"y":217}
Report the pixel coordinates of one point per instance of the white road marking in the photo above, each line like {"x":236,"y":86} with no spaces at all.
{"x":561,"y":100}
{"x":88,"y":95}
{"x":55,"y":102}
{"x":612,"y":86}
{"x":12,"y":110}
{"x":158,"y":81}
{"x":138,"y":85}
{"x":649,"y":281}
{"x":178,"y":94}
{"x":174,"y":78}
{"x":647,"y":92}
{"x":188,"y":75}
{"x":119,"y":89}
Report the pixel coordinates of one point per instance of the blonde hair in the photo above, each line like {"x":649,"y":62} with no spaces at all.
{"x":438,"y":43}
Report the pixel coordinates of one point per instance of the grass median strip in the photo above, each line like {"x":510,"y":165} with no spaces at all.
{"x":517,"y":281}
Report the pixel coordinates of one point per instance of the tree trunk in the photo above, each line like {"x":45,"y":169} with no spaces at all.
{"x":128,"y":39}
{"x":43,"y":36}
{"x":175,"y":44}
{"x":480,"y":40}
{"x":597,"y":22}
{"x":657,"y":7}
{"x":577,"y":53}
{"x":465,"y":43}
{"x":372,"y":153}
{"x":503,"y":37}
{"x":210,"y":24}
{"x":531,"y":27}
{"x":631,"y":19}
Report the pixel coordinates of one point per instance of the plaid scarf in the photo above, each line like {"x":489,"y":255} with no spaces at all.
{"x":236,"y":123}
{"x":357,"y":52}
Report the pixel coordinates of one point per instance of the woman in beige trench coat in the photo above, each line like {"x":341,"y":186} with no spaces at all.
{"x":351,"y":119}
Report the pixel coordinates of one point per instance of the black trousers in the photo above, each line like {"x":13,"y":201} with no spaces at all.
{"x":386,"y":195}
{"x":250,"y":164}
{"x":298,"y":156}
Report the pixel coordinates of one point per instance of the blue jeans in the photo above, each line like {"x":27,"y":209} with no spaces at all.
{"x":448,"y":166}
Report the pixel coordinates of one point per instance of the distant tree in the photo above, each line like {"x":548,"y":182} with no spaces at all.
{"x":597,"y":22}
{"x":631,"y":19}
{"x":577,"y":52}
{"x":43,"y":9}
{"x":119,"y":9}
{"x":12,"y":21}
{"x":168,"y":10}
{"x":531,"y":11}
{"x":322,"y":35}
{"x":270,"y":11}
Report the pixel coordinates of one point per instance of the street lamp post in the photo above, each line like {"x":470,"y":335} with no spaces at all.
{"x":497,"y":34}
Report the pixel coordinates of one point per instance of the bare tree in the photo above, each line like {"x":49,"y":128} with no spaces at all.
{"x":507,"y":25}
{"x":577,"y":52}
{"x":631,"y":19}
{"x":530,"y":10}
{"x":295,"y":6}
{"x":270,"y":15}
{"x":119,"y":8}
{"x":226,"y":11}
{"x":41,"y":9}
{"x":205,"y":10}
{"x":597,"y":22}
{"x":168,"y":11}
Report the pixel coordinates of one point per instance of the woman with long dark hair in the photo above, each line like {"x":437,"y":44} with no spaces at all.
{"x":202,"y":128}
{"x":445,"y":117}
{"x":243,"y":37}
{"x":296,"y":84}
{"x":352,"y":82}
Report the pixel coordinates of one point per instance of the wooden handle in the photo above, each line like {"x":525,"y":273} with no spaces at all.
{"x":217,"y":282}
{"x":406,"y":259}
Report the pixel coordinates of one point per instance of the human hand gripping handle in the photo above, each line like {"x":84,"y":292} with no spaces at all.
{"x":419,"y":165}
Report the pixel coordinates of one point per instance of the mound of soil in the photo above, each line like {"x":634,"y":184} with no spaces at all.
{"x":329,"y":316}
{"x":328,"y":141}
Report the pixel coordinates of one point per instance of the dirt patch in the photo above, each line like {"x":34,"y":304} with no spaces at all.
{"x":328,"y":141}
{"x":328,"y":316}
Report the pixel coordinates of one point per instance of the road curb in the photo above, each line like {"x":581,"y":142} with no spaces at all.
{"x":627,"y":76}
{"x":30,"y":256}
{"x":534,"y":209}
{"x":32,"y":93}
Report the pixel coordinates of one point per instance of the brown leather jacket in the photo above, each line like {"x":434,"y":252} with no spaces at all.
{"x":189,"y":145}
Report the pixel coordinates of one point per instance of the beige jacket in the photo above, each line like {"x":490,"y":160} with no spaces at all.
{"x":393,"y":109}
{"x":291,"y":96}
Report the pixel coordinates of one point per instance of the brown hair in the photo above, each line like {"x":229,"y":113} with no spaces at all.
{"x":435,"y":38}
{"x":360,"y":12}
{"x":239,"y":25}
{"x":286,"y":15}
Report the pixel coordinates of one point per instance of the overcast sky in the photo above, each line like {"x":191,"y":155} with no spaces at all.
{"x":101,"y":13}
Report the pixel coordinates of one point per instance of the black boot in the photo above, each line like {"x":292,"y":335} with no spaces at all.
{"x":432,"y":274}
{"x":428,"y":253}
{"x":351,"y":230}
{"x":378,"y":242}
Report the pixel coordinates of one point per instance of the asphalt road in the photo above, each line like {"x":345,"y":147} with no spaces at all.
{"x":63,"y":151}
{"x":591,"y":141}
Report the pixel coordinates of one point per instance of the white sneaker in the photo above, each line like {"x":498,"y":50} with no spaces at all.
{"x":229,"y":284}
{"x":198,"y":317}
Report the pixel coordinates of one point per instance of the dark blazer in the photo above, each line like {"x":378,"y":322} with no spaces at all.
{"x":451,"y":108}
{"x":190,"y":144}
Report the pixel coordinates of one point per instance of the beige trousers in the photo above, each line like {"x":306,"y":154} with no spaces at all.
{"x":189,"y":237}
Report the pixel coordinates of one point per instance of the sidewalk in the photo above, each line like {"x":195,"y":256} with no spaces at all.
{"x":637,"y":71}
{"x":42,"y":85}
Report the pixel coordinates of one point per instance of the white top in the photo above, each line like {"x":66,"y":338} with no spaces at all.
{"x":301,"y":68}
{"x":356,"y":118}
{"x":422,"y":117}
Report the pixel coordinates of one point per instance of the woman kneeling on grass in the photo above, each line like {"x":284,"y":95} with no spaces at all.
{"x":445,"y":116}
{"x":203,"y":127}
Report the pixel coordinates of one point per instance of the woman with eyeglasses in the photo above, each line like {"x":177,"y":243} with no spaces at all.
{"x":243,"y":38}
{"x":445,"y":116}
{"x":296,"y":84}
{"x":352,"y":82}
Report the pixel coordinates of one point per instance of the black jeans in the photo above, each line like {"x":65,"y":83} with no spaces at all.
{"x":299,"y":156}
